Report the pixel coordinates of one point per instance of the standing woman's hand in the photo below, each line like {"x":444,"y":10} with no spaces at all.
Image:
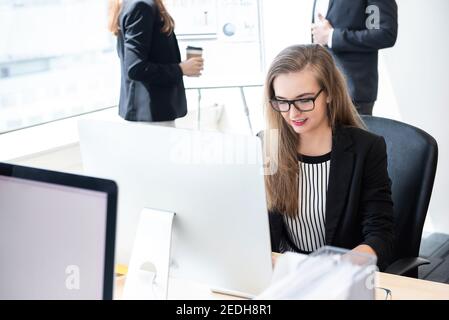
{"x":192,"y":67}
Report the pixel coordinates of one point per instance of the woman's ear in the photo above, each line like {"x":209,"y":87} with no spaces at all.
{"x":328,"y":97}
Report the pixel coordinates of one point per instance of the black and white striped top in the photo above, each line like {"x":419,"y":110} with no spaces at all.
{"x":307,"y":230}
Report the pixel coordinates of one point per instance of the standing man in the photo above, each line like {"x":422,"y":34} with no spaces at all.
{"x":354,"y":31}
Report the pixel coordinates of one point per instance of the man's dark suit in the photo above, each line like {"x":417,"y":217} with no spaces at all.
{"x":355,"y":47}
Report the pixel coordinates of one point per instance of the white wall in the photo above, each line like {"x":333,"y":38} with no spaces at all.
{"x":414,"y":75}
{"x":285,"y":22}
{"x":414,"y":79}
{"x":418,"y":69}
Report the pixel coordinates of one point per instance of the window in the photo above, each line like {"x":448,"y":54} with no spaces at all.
{"x":56,"y":60}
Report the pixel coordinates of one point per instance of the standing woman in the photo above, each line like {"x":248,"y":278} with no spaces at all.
{"x":152,"y":87}
{"x":331,"y":186}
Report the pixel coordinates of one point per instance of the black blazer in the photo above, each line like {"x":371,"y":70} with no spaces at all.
{"x":359,"y":209}
{"x":152,"y":87}
{"x":355,"y":48}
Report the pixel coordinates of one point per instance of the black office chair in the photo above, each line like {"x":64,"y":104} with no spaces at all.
{"x":412,"y":162}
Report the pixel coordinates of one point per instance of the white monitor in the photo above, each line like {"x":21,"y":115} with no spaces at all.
{"x":57,"y":234}
{"x":213,"y":182}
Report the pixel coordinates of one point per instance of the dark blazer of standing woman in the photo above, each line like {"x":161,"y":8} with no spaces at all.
{"x":152,"y":87}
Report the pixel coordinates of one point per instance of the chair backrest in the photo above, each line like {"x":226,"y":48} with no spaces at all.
{"x":412,"y":162}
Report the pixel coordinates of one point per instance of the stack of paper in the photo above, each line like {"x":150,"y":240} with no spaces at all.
{"x":329,"y":273}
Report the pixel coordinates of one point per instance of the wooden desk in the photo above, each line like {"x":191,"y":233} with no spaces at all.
{"x":402,"y":288}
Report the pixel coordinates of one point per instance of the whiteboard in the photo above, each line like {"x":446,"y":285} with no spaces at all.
{"x":228,"y":30}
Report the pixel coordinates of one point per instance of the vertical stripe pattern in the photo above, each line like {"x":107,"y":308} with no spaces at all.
{"x":307,"y":229}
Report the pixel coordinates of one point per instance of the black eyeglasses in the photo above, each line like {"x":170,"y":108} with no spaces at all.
{"x":303,"y":104}
{"x":385,"y":294}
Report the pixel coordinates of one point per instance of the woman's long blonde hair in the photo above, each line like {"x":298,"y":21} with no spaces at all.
{"x":282,"y":186}
{"x":115,"y":6}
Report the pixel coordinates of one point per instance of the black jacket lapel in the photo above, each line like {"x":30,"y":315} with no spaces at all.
{"x":331,"y":12}
{"x":341,"y":168}
{"x":313,"y":11}
{"x":331,"y":3}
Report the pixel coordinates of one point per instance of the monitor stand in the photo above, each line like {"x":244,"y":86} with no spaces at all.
{"x":148,"y":271}
{"x":237,"y":294}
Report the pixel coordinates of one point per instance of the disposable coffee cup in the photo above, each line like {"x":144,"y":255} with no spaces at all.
{"x":193,"y":52}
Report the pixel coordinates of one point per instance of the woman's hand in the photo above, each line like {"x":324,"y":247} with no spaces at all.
{"x":274,"y":256}
{"x":363,"y":248}
{"x":192,"y":67}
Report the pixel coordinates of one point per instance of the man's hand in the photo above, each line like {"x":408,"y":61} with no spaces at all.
{"x":321,"y":31}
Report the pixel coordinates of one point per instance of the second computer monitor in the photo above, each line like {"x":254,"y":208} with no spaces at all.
{"x":57,"y":235}
{"x":212,"y":181}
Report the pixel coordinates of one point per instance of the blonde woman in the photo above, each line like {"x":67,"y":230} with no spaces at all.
{"x":152,"y":87}
{"x":331,"y":186}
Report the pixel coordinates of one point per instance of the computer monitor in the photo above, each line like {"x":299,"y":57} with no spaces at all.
{"x":214,"y":184}
{"x":57,"y":235}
